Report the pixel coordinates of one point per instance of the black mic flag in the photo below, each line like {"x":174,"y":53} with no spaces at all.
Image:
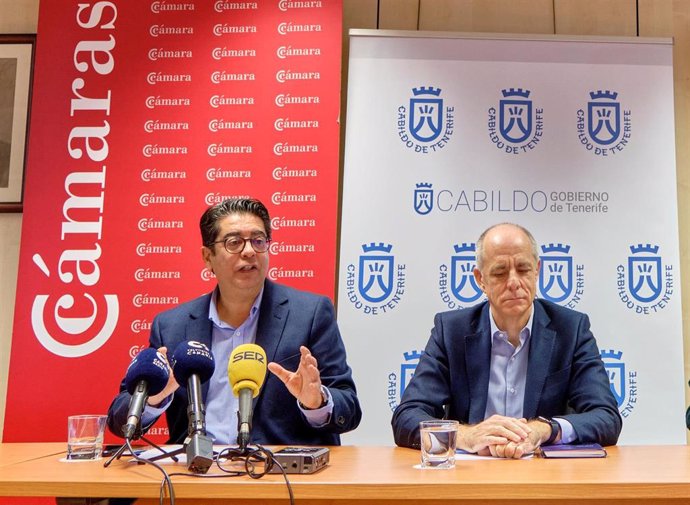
{"x":193,"y":365}
{"x":147,"y":375}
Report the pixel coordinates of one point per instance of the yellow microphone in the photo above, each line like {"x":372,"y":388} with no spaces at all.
{"x":246,"y":373}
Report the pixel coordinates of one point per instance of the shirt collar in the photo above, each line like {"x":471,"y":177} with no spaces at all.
{"x":523,"y":334}
{"x":213,"y":309}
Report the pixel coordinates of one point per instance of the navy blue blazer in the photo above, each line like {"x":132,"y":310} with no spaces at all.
{"x":288,"y":319}
{"x":565,"y":375}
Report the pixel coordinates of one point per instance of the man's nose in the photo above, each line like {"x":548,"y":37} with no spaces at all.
{"x":513,"y":279}
{"x":248,"y":250}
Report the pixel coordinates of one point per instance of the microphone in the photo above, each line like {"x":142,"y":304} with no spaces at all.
{"x":246,"y":372}
{"x":194,"y":365}
{"x":147,"y":374}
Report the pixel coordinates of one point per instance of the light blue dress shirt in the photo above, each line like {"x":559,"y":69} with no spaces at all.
{"x":508,"y":376}
{"x":222,"y":405}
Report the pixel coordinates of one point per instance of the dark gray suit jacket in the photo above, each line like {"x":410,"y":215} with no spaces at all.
{"x":565,"y":375}
{"x":288,"y":319}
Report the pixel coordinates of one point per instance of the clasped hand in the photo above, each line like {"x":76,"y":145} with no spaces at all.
{"x":501,"y":437}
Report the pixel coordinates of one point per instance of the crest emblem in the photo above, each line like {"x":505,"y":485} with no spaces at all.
{"x":623,"y":381}
{"x":644,"y":273}
{"x":407,"y":369}
{"x":463,"y":284}
{"x":556,"y":276}
{"x":376,"y":273}
{"x":617,"y":375}
{"x":378,"y":279}
{"x":423,"y":198}
{"x":397,"y":383}
{"x":515,"y":115}
{"x":604,"y":121}
{"x":426,"y":114}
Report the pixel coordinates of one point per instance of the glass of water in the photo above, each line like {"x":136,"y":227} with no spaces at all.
{"x":85,"y":436}
{"x":438,"y":440}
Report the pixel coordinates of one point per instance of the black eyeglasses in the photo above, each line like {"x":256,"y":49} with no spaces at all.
{"x":235,"y":245}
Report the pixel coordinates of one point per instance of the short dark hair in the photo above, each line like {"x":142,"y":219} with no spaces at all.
{"x":208,"y":224}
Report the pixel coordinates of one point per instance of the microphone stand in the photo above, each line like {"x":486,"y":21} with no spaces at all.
{"x":171,"y":454}
{"x":198,"y":447}
{"x":127,"y":445}
{"x":193,"y":444}
{"x":199,"y":451}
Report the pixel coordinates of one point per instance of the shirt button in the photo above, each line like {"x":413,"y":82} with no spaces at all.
{"x":512,"y":391}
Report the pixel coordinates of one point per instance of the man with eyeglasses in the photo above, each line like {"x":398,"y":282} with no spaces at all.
{"x":515,"y":371}
{"x":309,"y":398}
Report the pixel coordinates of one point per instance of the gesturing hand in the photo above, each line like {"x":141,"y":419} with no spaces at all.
{"x":305,"y":382}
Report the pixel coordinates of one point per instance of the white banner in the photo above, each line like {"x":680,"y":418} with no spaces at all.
{"x":573,"y":139}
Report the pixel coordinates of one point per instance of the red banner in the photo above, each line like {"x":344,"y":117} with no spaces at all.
{"x":145,"y":113}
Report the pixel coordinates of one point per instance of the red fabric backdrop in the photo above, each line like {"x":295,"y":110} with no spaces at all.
{"x":144,"y":113}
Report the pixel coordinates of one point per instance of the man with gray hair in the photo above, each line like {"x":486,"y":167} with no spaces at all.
{"x":515,"y":371}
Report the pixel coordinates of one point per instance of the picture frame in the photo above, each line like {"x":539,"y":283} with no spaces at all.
{"x":16,"y":77}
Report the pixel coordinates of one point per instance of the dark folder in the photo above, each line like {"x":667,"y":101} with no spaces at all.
{"x":573,"y":451}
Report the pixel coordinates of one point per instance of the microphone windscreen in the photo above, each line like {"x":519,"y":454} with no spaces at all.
{"x":150,"y":366}
{"x":192,"y":358}
{"x":247,"y":368}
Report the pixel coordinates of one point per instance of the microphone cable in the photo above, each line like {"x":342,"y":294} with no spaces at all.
{"x":257,"y":462}
{"x":166,"y":483}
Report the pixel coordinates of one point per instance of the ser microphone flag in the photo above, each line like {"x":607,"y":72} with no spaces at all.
{"x":194,"y":365}
{"x":246,"y":373}
{"x":146,"y":375}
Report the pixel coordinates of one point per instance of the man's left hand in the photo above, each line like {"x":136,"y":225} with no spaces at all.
{"x":516,"y":450}
{"x":304,"y":383}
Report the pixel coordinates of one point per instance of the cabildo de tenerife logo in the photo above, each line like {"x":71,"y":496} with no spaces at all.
{"x":456,"y":283}
{"x":473,"y":200}
{"x":623,"y":381}
{"x":398,"y":380}
{"x":605,"y":129}
{"x":376,"y":285}
{"x":426,"y":125}
{"x":560,"y":280}
{"x":645,"y":285}
{"x":519,"y":126}
{"x":423,"y":198}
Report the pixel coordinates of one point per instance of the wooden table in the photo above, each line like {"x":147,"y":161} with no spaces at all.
{"x":16,"y":453}
{"x":650,"y":475}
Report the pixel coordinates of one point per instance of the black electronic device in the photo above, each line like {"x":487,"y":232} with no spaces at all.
{"x":300,"y":459}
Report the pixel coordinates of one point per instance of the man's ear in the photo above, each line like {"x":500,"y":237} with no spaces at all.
{"x":206,"y":254}
{"x":478,"y":277}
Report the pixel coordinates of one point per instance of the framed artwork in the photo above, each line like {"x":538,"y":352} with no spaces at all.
{"x":16,"y":66}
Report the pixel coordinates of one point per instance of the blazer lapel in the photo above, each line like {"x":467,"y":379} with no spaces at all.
{"x":477,"y":361}
{"x":542,"y":344}
{"x":272,"y":319}
{"x":199,"y":328}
